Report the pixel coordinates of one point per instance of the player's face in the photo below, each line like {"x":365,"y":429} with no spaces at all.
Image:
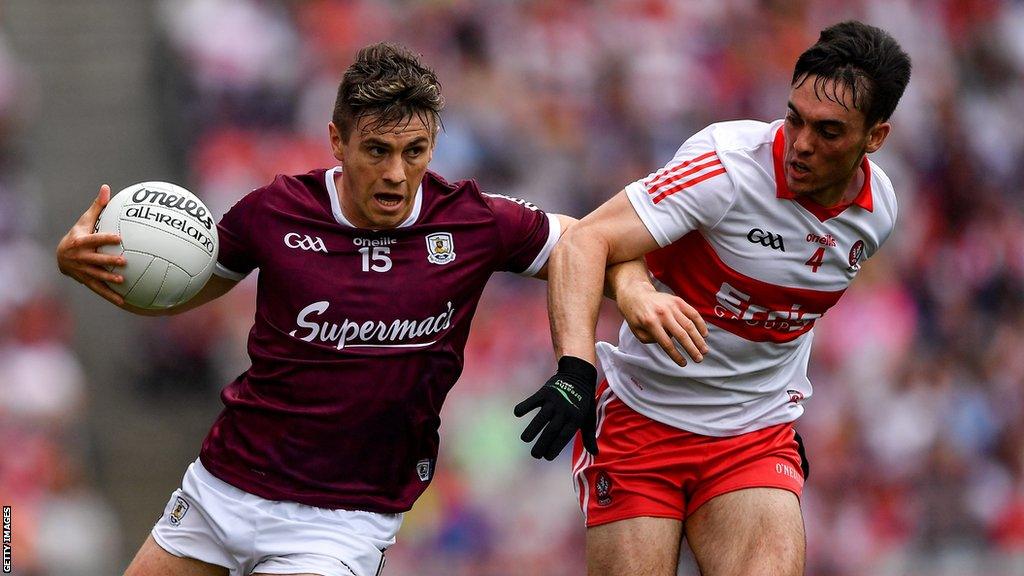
{"x":825,"y":142}
{"x":381,"y":169}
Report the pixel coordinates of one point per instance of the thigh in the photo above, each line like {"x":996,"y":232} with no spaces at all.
{"x":636,"y":546}
{"x":152,"y":560}
{"x":642,"y":468}
{"x":753,"y":532}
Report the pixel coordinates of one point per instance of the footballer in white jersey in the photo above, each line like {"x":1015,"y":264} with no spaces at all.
{"x":751,"y":233}
{"x":759,"y":265}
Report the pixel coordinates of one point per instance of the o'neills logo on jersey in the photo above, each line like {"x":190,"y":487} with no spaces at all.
{"x":368,"y":333}
{"x":386,"y":241}
{"x":826,"y":240}
{"x":175,"y":201}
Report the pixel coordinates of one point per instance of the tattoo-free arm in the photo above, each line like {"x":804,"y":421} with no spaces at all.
{"x":614,"y":234}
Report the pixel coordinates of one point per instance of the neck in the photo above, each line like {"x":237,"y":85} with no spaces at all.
{"x":841,"y":193}
{"x":347,"y":212}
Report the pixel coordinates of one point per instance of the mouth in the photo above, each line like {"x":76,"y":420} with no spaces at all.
{"x":799,"y":170}
{"x":388,"y":200}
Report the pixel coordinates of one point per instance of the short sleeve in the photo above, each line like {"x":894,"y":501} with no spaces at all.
{"x":236,"y":258}
{"x":527,"y":233}
{"x":692,"y":191}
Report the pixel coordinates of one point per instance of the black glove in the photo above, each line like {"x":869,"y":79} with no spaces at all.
{"x":566,"y":403}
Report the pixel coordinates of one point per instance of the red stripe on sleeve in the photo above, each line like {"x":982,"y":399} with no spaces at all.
{"x":658,"y":177}
{"x":680,"y":176}
{"x":688,"y":183}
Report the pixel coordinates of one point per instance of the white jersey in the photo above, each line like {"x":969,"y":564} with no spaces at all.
{"x":759,"y":264}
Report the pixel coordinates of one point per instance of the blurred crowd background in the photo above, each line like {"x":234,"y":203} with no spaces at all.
{"x":916,"y":429}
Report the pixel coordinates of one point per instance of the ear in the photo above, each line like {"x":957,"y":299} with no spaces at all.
{"x":337,"y":144}
{"x":877,"y":136}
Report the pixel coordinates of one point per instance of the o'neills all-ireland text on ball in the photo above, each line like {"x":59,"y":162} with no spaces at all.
{"x":145,"y":199}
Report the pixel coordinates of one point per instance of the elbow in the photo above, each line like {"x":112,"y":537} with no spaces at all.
{"x":580,"y":242}
{"x":567,"y":244}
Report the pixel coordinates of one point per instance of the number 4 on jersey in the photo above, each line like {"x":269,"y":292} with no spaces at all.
{"x":817,"y":259}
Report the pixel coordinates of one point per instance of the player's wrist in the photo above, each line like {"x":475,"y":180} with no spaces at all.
{"x":637,"y":288}
{"x":578,"y":371}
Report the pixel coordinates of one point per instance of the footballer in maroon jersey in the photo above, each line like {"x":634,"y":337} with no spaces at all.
{"x":338,"y":357}
{"x":369,"y":275}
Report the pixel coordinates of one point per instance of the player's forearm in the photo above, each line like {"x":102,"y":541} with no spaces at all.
{"x":146,"y":311}
{"x":214,"y":288}
{"x":620,"y":277}
{"x":575,"y":287}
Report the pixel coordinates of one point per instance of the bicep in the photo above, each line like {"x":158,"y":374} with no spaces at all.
{"x":616,"y":224}
{"x":565,"y":222}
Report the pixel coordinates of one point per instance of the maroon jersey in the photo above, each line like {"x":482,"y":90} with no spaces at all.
{"x":358,"y":337}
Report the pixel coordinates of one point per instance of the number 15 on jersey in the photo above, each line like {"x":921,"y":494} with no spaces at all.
{"x":376,"y":258}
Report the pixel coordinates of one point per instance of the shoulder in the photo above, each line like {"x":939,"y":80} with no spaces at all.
{"x":439,"y":190}
{"x":739,"y":136}
{"x":735,"y":147}
{"x":292,"y":192}
{"x":311,"y":182}
{"x":467,"y":194}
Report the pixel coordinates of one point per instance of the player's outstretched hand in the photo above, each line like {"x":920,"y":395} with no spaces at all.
{"x":78,"y":258}
{"x":566,"y":403}
{"x":665,"y":319}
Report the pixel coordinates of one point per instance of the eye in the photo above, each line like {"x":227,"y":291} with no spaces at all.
{"x":415,"y":152}
{"x":793,"y":119}
{"x":829,"y":135}
{"x":377,"y":151}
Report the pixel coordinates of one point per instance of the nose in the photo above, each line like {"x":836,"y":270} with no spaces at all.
{"x":394,"y":170}
{"x":802,"y":142}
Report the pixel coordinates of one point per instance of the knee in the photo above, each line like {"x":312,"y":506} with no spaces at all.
{"x":775,"y":557}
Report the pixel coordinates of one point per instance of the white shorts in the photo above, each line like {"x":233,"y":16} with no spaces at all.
{"x":212,"y":521}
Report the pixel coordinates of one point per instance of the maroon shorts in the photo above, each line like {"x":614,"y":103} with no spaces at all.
{"x":646,"y":468}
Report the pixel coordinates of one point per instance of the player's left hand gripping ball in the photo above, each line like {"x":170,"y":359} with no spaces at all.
{"x":566,"y":403}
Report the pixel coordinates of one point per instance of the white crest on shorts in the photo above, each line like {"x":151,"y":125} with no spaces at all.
{"x":440,"y":248}
{"x":425,"y":469}
{"x":179,"y":511}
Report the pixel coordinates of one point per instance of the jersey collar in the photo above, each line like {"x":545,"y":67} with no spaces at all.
{"x":339,"y":216}
{"x":823,"y":213}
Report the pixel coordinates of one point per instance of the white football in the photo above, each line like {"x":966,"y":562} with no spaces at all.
{"x":168,"y":238}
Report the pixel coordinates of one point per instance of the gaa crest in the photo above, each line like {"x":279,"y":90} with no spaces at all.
{"x":440,"y":248}
{"x":179,"y":510}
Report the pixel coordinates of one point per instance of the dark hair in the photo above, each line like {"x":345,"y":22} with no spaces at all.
{"x":865,"y":60}
{"x":389,"y":82}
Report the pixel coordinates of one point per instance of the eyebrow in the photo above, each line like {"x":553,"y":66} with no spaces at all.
{"x":828,"y":122}
{"x":375,"y":141}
